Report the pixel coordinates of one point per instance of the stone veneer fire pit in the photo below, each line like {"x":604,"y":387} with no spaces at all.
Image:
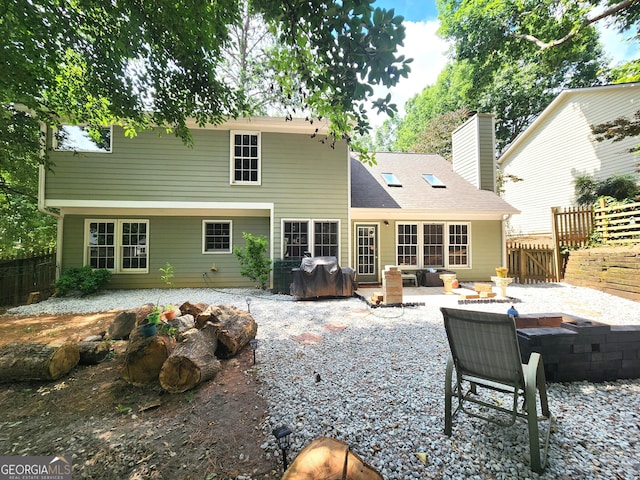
{"x":574,"y":348}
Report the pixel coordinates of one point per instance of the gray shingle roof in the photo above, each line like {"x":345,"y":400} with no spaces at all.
{"x":369,"y":190}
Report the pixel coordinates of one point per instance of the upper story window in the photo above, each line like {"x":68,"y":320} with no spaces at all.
{"x":391,"y":179}
{"x":434,"y":181}
{"x":81,"y":138}
{"x":245,"y":157}
{"x":216,"y":236}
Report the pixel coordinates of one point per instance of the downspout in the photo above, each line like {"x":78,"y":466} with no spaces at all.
{"x":505,"y":219}
{"x":41,"y":203}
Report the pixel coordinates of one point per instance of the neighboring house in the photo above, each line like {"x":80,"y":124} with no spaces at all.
{"x":131,"y":205}
{"x":559,"y":146}
{"x":414,"y":211}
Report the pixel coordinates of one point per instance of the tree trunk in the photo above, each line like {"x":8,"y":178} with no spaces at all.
{"x":325,"y":458}
{"x":192,"y":362}
{"x":92,"y":353}
{"x":235,"y":329}
{"x":37,"y":361}
{"x":144,"y":357}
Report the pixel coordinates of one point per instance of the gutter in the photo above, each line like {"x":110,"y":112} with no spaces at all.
{"x":41,"y":203}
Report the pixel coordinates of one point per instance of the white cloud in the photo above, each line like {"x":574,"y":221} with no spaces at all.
{"x":429,"y":58}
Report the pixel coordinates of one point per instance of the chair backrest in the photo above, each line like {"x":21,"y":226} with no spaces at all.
{"x":484,"y":345}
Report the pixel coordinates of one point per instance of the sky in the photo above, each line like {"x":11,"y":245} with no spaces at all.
{"x":429,"y":51}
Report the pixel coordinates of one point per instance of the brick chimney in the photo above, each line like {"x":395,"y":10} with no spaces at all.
{"x":473,"y":149}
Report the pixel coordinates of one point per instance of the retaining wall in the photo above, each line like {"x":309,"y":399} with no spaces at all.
{"x":614,"y":270}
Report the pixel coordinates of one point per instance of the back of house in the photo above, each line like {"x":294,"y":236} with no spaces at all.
{"x":133,"y":205}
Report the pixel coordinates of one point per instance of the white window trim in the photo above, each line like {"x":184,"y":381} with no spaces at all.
{"x":217,"y":252}
{"x":420,"y":245}
{"x":232,"y":179}
{"x":54,"y":141}
{"x":118,"y":244}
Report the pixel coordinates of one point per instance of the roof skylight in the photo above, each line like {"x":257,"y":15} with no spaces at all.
{"x":434,"y":181}
{"x":391,"y":179}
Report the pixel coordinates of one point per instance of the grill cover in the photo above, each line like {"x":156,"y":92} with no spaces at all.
{"x":322,"y":277}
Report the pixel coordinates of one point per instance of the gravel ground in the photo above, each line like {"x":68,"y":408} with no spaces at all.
{"x":374,"y":378}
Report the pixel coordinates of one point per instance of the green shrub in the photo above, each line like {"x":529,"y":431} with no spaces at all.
{"x":254,"y":264}
{"x":620,"y":187}
{"x":86,"y":280}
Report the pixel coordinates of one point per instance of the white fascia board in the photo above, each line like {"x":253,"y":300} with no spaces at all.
{"x":435,"y":215}
{"x":268,"y":124}
{"x":80,"y":207}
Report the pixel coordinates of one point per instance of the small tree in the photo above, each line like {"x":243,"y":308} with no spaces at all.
{"x":254,"y":264}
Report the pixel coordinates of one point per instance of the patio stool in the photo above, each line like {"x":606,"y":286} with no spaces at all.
{"x":410,"y":276}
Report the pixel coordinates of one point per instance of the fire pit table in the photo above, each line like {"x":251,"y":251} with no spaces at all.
{"x":575,"y":348}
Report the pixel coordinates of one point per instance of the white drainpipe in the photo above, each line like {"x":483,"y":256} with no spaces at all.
{"x":45,"y":210}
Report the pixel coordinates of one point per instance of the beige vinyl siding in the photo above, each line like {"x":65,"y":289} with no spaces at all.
{"x":474,"y":151}
{"x":486,"y":246}
{"x":487,"y":158}
{"x":465,"y":151}
{"x":177,"y":240}
{"x":560,"y":147}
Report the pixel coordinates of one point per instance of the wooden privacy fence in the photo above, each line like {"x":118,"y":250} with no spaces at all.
{"x":21,"y":276}
{"x":531,"y":263}
{"x":572,"y":226}
{"x":618,"y":224}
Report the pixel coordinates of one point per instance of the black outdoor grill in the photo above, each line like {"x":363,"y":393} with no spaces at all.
{"x":322,"y":277}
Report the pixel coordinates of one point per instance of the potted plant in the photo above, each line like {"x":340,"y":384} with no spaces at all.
{"x":170,"y":312}
{"x":151,"y":327}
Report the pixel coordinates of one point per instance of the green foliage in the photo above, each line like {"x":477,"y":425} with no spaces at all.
{"x":167,"y":274}
{"x":330,"y":54}
{"x":85,"y":279}
{"x":628,"y":72}
{"x":254,"y":263}
{"x":21,"y":224}
{"x":451,"y":92}
{"x":620,"y":188}
{"x":436,"y":136}
{"x":498,"y":67}
{"x":154,"y":315}
{"x":159,"y":63}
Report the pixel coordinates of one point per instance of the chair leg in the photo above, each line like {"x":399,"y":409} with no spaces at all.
{"x":531,"y":379}
{"x":448,"y":397}
{"x":541,"y":381}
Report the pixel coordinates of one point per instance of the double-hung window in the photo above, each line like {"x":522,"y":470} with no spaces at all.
{"x":318,"y":237}
{"x":120,"y":246}
{"x":295,"y":238}
{"x":216,"y":236}
{"x":325,"y":239}
{"x":245,"y":158}
{"x":442,"y":245}
{"x":407,"y":245}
